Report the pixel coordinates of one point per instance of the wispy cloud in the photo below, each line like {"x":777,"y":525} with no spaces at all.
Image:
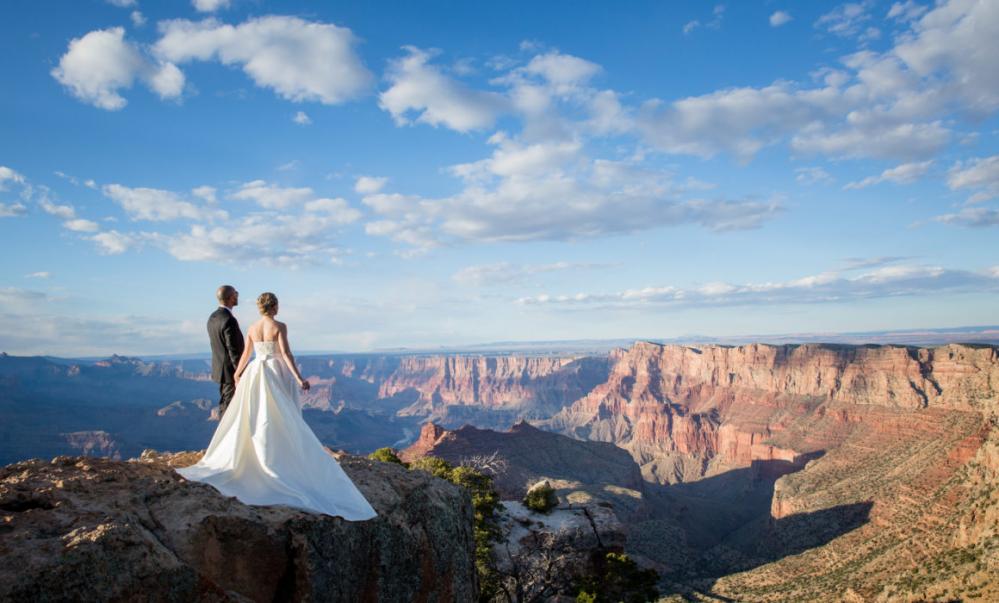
{"x":505,"y":273}
{"x":780,"y":17}
{"x":906,"y":173}
{"x":827,"y":287}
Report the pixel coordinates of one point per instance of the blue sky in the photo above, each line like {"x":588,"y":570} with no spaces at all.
{"x":432,"y":174}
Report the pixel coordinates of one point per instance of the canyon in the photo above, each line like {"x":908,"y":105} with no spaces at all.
{"x":754,"y":472}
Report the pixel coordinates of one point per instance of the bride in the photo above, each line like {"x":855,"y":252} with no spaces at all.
{"x":263,"y":452}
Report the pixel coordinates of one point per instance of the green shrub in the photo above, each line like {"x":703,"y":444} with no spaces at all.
{"x":541,"y":498}
{"x":485,"y":503}
{"x":386,"y":455}
{"x":433,"y":465}
{"x":618,"y":579}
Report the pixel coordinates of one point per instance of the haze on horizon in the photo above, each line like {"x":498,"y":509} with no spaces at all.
{"x":409,"y":176}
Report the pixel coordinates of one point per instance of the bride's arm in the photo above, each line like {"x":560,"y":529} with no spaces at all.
{"x":245,"y":358}
{"x":288,"y":358}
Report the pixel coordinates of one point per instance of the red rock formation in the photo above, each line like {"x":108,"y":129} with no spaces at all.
{"x":543,"y":383}
{"x":726,"y":404}
{"x":430,"y":435}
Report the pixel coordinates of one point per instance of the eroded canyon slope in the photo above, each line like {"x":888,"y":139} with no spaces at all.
{"x":582,"y":472}
{"x":810,"y":472}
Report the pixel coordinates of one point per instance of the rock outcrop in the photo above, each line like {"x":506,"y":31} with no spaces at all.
{"x":540,"y":555}
{"x":79,"y":528}
{"x":580,"y":471}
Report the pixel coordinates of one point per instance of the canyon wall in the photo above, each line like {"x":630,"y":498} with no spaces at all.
{"x":684,"y":412}
{"x":534,"y":386}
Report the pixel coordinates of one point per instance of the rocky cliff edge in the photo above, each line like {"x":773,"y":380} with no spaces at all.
{"x":79,"y":528}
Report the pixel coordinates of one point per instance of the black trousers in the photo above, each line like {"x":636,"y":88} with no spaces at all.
{"x":226,"y":391}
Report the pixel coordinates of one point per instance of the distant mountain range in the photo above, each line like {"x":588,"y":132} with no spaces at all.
{"x":918,"y":337}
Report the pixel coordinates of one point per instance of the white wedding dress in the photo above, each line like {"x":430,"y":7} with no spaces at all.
{"x":264,"y":453}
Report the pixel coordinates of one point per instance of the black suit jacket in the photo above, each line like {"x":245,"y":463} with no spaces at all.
{"x":227,"y":345}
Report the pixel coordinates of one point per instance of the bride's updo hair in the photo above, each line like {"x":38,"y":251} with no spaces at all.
{"x":267,"y":303}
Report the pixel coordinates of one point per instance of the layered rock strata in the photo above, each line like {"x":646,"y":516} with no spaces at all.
{"x":531,"y":384}
{"x":685,"y":412}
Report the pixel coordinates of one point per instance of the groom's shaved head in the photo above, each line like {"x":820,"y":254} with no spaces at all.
{"x":224,"y":293}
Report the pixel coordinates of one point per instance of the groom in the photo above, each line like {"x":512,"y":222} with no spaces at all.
{"x":227,"y":344}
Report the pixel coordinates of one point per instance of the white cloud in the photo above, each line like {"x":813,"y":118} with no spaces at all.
{"x":563,"y":72}
{"x":158,"y":205}
{"x":338,"y":211}
{"x":205,"y":193}
{"x":737,"y":120}
{"x":903,"y":141}
{"x":272,"y":237}
{"x":421,"y":92}
{"x":779,"y":18}
{"x":955,"y":46}
{"x":41,"y":275}
{"x":812,"y":175}
{"x":301,"y":118}
{"x":895,"y":104}
{"x":209,"y":6}
{"x":66,"y":212}
{"x":272,"y":196}
{"x":9,"y":175}
{"x":826,"y":287}
{"x":97,"y":66}
{"x":906,"y":173}
{"x":846,"y":20}
{"x":121,"y":3}
{"x":11,"y":210}
{"x":873,"y":262}
{"x":300,"y":60}
{"x":608,"y":115}
{"x":503,"y":273}
{"x":367,"y":185}
{"x":976,"y":217}
{"x":81,"y":225}
{"x":717,"y":14}
{"x":980,"y":174}
{"x":284,"y":240}
{"x":138,"y":19}
{"x":112,"y":242}
{"x":553,"y":191}
{"x":907,"y":11}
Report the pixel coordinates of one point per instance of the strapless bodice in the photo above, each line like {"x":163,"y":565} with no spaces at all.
{"x":265,"y":349}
